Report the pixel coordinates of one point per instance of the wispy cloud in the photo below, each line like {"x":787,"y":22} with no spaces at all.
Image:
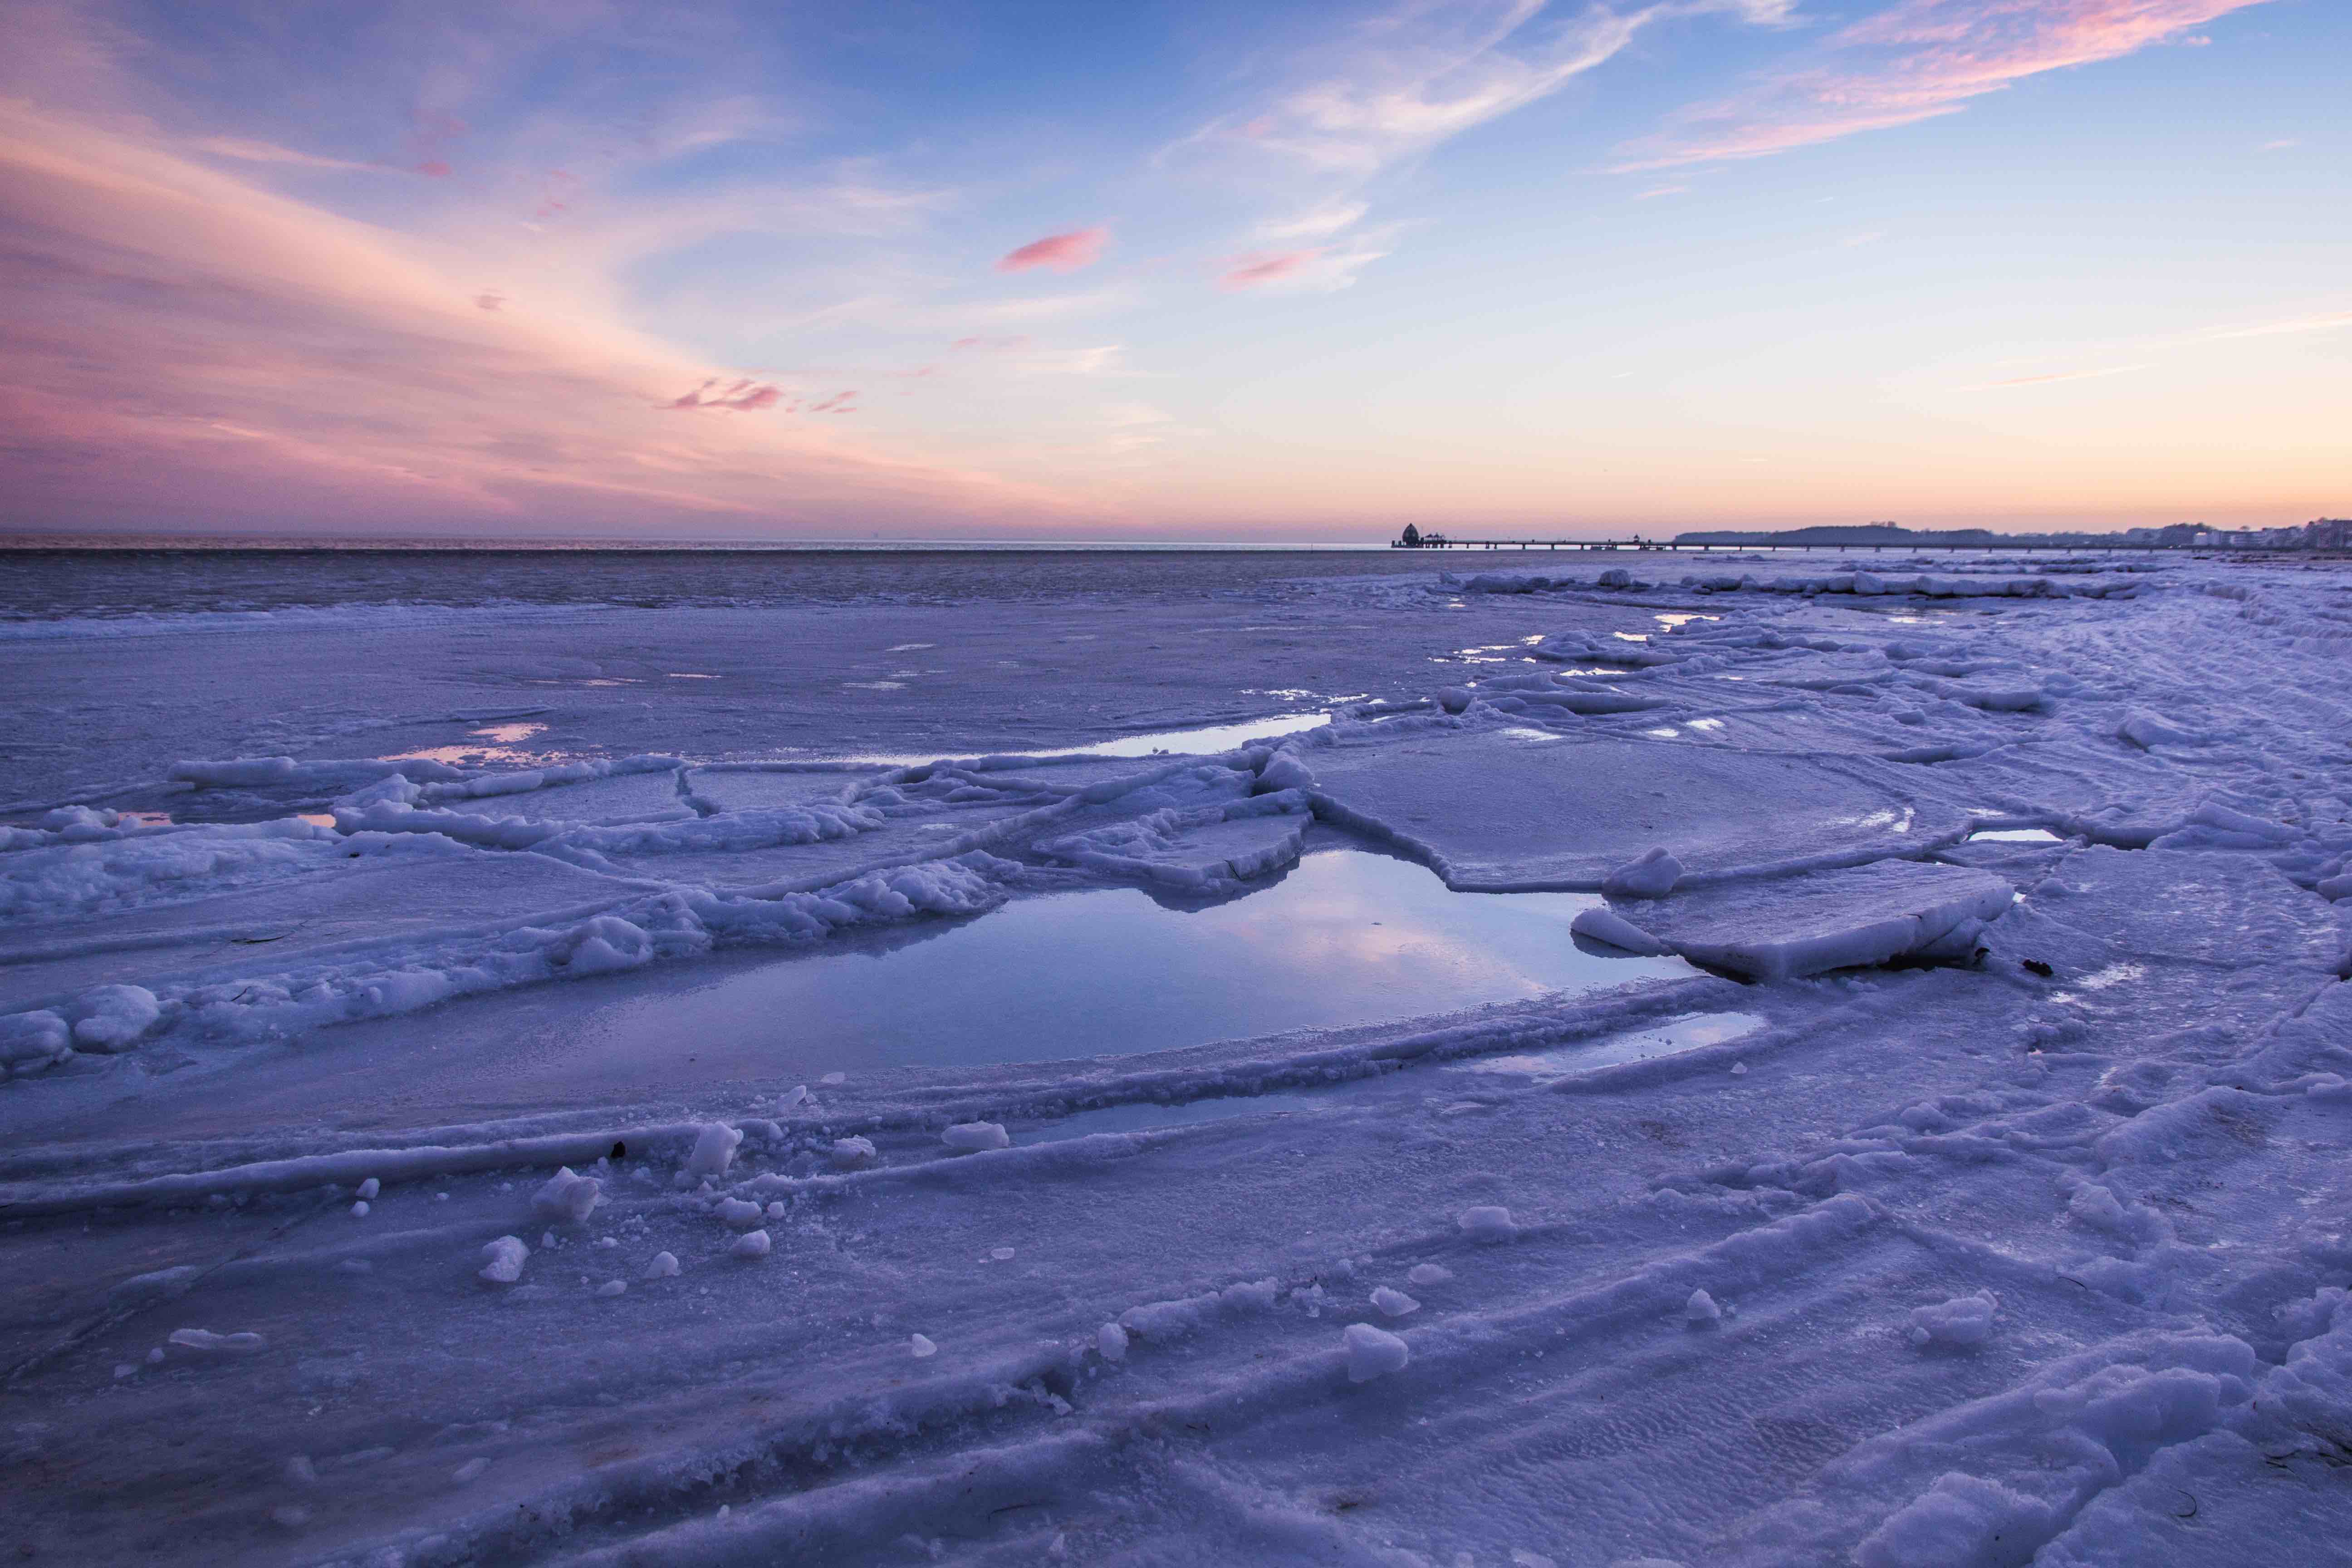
{"x":200,"y":350}
{"x":1394,"y":88}
{"x":251,"y":152}
{"x":1915,"y":61}
{"x":1058,"y":252}
{"x":1264,"y":266}
{"x":2050,"y":377}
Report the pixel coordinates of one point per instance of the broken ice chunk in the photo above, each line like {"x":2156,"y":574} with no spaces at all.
{"x":1963,"y":1320}
{"x":714,"y":1150}
{"x":211,"y":1344}
{"x":1700,"y":1311}
{"x":369,"y":1188}
{"x":1653,"y":876}
{"x":613,"y":1288}
{"x":1393,"y":1303}
{"x":737,"y":1215}
{"x":851,"y":1153}
{"x":750,"y":1243}
{"x":1427,"y":1274}
{"x":663,"y":1267}
{"x":567,"y":1198}
{"x":504,"y":1258}
{"x":922,"y":1346}
{"x":969,"y":1137}
{"x":1111,"y":1340}
{"x":1486,"y":1222}
{"x":1611,"y":929}
{"x":1373,"y":1353}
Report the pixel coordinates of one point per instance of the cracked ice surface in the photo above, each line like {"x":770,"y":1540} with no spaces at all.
{"x":2013,"y":1168}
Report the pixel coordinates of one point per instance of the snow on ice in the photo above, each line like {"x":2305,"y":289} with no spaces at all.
{"x":2011,"y":1229}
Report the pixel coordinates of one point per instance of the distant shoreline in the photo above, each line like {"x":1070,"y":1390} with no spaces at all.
{"x":247,"y":544}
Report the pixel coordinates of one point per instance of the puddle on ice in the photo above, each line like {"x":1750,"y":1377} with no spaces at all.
{"x":1207,"y":741}
{"x":1147,"y":1116}
{"x":1683,"y":618}
{"x":315,"y":819}
{"x":2015,"y":836}
{"x":689,"y":675}
{"x":1347,"y":938}
{"x":504,"y":742}
{"x":1686,"y":1033}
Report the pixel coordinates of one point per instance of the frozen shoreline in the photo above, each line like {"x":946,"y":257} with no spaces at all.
{"x":2017,"y":1208}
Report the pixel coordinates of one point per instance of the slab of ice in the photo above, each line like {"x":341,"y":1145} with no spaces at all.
{"x":1490,"y":812}
{"x":1793,"y":926}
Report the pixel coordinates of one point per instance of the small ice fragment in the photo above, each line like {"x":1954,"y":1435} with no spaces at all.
{"x":921,"y":1345}
{"x":663,"y":1267}
{"x":1701,"y":1311}
{"x":567,"y":1198}
{"x":1373,"y":1352}
{"x":547,"y":1241}
{"x":470,"y":1472}
{"x":1654,"y":876}
{"x":750,"y":1243}
{"x":794,"y":1098}
{"x":440,"y":1197}
{"x":832,"y":1078}
{"x":1111,"y":1340}
{"x":1487,"y":1222}
{"x":1597,"y":924}
{"x":1394,"y":1303}
{"x":776,"y":1210}
{"x":737,"y":1214}
{"x":714,"y":1150}
{"x":1428,"y":1274}
{"x":1962,"y":1320}
{"x":1739,"y":1069}
{"x":156,"y":1356}
{"x":614,"y":1288}
{"x":123,"y":1369}
{"x":852,"y":1153}
{"x":369,"y":1188}
{"x":360,"y":1209}
{"x":211,"y":1344}
{"x":1000,"y":1254}
{"x":970,"y":1137}
{"x":504,"y":1256}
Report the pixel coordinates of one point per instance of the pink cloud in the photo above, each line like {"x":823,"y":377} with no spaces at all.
{"x":1920,"y":60}
{"x":488,"y":300}
{"x":839,"y":402}
{"x":966,"y":345}
{"x":1058,"y":252}
{"x":745,"y":396}
{"x":434,"y":168}
{"x":1258,"y":266}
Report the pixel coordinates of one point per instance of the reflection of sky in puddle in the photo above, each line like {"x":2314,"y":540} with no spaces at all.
{"x":689,"y":675}
{"x":2015,"y":836}
{"x":1684,"y":619}
{"x":1347,"y":938}
{"x":1207,"y":740}
{"x":1686,"y":1033}
{"x":502,"y":747}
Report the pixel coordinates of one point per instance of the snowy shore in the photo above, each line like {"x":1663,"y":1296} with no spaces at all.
{"x":435,"y":1133}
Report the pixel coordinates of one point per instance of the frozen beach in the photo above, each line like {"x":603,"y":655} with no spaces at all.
{"x":1157,"y":1059}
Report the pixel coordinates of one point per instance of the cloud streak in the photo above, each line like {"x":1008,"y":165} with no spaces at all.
{"x":1918,"y":61}
{"x":1058,"y":252}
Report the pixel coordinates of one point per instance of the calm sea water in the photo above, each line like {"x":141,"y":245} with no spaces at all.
{"x":170,"y":578}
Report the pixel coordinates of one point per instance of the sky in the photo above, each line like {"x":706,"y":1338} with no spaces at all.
{"x":1058,"y":268}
